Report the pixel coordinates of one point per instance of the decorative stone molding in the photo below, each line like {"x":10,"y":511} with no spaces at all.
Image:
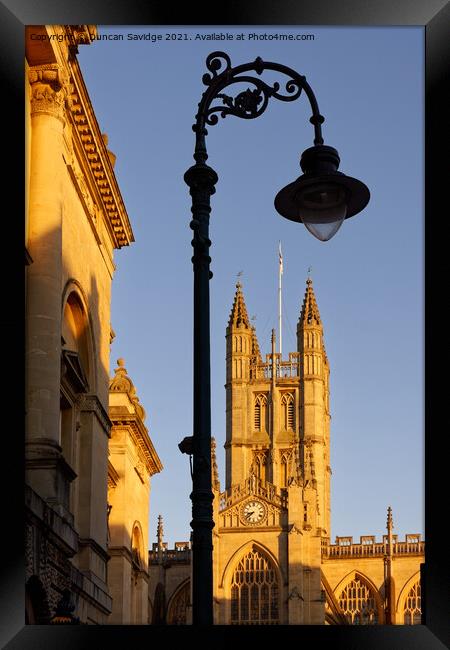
{"x":140,"y":439}
{"x":42,"y":447}
{"x":85,"y":542}
{"x":123,"y":384}
{"x":214,"y":469}
{"x":82,"y":34}
{"x":49,"y":88}
{"x":295,"y":594}
{"x":83,"y":191}
{"x":113,"y":476}
{"x":140,"y":470}
{"x":99,"y":161}
{"x":252,"y":486}
{"x":294,"y":529}
{"x":91,"y":403}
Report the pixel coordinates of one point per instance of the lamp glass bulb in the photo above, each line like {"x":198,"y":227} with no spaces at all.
{"x":322,"y":209}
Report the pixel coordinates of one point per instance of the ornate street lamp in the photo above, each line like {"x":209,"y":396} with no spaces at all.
{"x":321,"y":198}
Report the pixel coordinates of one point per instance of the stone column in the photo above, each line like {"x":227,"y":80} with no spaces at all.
{"x":46,"y":471}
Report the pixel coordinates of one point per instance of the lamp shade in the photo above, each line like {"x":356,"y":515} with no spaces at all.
{"x":321,"y":198}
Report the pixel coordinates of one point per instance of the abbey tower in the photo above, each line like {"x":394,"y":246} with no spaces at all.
{"x":273,"y":560}
{"x":275,"y":509}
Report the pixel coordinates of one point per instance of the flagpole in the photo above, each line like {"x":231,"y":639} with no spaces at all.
{"x":280,"y":273}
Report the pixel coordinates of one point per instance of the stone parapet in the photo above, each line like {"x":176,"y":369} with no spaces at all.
{"x":59,"y":528}
{"x":345,"y":548}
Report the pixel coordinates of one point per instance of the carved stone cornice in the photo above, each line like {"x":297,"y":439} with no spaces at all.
{"x":49,"y":87}
{"x":140,"y":438}
{"x":92,"y":147}
{"x":81,"y":34}
{"x":113,"y":476}
{"x":92,"y":403}
{"x":133,"y":422}
{"x":84,"y":542}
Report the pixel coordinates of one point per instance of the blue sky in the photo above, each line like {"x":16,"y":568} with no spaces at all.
{"x":368,"y":279}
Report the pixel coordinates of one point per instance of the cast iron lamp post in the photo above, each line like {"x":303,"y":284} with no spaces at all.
{"x":321,"y":198}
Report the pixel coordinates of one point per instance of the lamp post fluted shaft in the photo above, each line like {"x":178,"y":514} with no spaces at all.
{"x":201,"y":179}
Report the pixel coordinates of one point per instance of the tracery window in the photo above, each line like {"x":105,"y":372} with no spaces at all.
{"x":287,"y":408}
{"x":177,"y":614}
{"x":412,"y":607}
{"x":285,"y":460}
{"x":255,"y":591}
{"x":358,"y":603}
{"x":260,"y":464}
{"x":260,"y":413}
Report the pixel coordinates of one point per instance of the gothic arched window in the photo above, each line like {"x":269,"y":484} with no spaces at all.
{"x":255,"y":591}
{"x":260,"y":464}
{"x":412,"y":607}
{"x":358,"y":602}
{"x":260,"y":413}
{"x":287,"y":409}
{"x":177,"y":614}
{"x":285,"y":459}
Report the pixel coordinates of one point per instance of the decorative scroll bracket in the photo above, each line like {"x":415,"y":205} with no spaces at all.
{"x":250,"y":103}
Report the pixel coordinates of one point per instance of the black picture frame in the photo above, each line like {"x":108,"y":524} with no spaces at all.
{"x":434,"y":16}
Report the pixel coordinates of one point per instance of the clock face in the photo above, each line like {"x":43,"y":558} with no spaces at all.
{"x":253,"y":512}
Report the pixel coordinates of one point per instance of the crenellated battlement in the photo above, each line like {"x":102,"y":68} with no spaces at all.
{"x":162,"y":554}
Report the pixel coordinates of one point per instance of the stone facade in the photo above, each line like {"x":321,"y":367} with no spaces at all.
{"x":273,"y":560}
{"x":132,"y":461}
{"x":89,"y":457}
{"x":169,"y":582}
{"x":75,"y":219}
